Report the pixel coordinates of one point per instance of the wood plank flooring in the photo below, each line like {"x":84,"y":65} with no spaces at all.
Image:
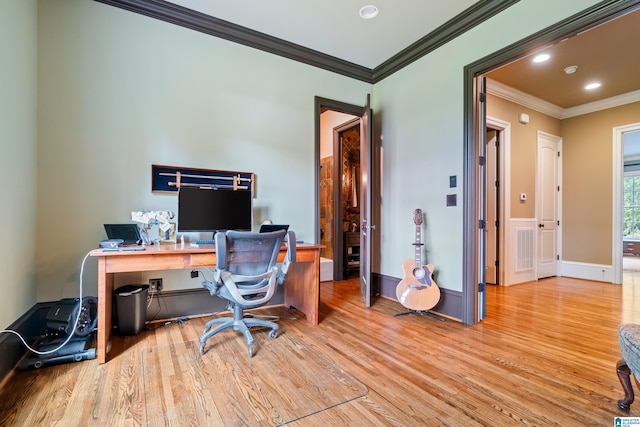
{"x":544,"y":356}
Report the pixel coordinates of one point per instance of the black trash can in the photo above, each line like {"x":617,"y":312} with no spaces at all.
{"x":130,"y":308}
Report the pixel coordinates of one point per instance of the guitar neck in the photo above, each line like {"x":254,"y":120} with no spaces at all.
{"x":418,"y":247}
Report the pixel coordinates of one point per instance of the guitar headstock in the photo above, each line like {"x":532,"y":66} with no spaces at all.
{"x":417,"y":217}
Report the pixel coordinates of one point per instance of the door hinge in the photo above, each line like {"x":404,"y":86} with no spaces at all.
{"x":558,"y":154}
{"x":482,"y":287}
{"x":497,"y":223}
{"x":497,"y":183}
{"x":558,"y":188}
{"x":497,"y":263}
{"x":482,"y":224}
{"x":481,"y":159}
{"x":482,"y":97}
{"x":557,"y":257}
{"x":558,"y":223}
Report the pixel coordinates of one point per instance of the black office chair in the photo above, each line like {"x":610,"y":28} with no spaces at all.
{"x":246,"y":275}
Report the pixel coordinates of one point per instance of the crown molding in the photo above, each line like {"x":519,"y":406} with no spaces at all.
{"x":603,"y":104}
{"x":188,"y":18}
{"x":522,"y":98}
{"x":526,"y":100}
{"x":451,"y":29}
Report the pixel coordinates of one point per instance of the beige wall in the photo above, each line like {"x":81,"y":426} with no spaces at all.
{"x":587,"y":179}
{"x":524,"y":138}
{"x":587,"y":163}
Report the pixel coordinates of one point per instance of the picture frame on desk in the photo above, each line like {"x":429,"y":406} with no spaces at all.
{"x":169,"y":235}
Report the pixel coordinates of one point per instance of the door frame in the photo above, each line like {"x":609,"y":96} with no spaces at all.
{"x":320,"y":105}
{"x":593,"y":16}
{"x":618,"y":198}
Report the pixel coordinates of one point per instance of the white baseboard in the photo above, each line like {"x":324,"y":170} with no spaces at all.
{"x":582,"y":270}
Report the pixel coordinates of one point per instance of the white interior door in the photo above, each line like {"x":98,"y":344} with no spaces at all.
{"x":547,"y":188}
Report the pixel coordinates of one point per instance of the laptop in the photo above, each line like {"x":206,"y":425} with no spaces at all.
{"x":266,"y":228}
{"x":129,"y":233}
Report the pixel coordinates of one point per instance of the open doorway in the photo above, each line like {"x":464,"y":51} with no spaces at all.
{"x":629,"y":137}
{"x":492,"y":229}
{"x":498,"y":140}
{"x":339,"y":190}
{"x":474,"y":268}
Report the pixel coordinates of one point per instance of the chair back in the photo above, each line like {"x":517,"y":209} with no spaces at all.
{"x":247,"y":253}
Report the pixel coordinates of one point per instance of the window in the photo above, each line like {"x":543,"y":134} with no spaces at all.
{"x":631,"y":228}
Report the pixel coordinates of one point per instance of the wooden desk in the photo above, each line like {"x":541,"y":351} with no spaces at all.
{"x":302,"y":287}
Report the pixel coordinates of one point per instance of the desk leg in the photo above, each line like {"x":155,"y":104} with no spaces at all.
{"x":302,"y":288}
{"x":105,"y":291}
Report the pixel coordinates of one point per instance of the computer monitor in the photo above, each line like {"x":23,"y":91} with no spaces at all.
{"x":204,"y":209}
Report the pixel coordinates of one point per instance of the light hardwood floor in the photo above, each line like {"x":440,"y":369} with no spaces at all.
{"x":544,"y":356}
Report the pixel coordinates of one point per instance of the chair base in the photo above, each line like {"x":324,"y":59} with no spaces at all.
{"x":237,"y":323}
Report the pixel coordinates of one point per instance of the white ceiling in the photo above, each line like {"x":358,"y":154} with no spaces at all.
{"x":334,"y":27}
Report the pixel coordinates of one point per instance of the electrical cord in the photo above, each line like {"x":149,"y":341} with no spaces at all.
{"x":75,"y":324}
{"x":150,"y":299}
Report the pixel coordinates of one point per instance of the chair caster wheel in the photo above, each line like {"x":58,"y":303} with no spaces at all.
{"x":273,"y":334}
{"x":202,"y":349}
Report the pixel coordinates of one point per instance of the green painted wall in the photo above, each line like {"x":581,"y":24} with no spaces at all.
{"x":421,"y":109}
{"x":18,"y":161}
{"x":118,"y":92}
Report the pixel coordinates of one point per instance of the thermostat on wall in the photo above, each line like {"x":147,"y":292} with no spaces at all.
{"x":523,"y":118}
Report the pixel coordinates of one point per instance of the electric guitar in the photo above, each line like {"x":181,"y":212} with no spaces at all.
{"x":417,"y":290}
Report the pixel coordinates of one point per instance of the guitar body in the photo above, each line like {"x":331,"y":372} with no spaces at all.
{"x":417,"y":290}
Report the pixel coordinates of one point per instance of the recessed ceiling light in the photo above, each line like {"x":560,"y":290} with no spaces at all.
{"x":542,"y":57}
{"x":368,"y":12}
{"x":571,"y":69}
{"x":591,"y":86}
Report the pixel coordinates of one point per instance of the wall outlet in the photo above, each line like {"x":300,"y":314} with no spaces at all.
{"x":155,"y":285}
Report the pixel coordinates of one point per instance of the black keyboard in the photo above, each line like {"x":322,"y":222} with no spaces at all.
{"x":205,"y":242}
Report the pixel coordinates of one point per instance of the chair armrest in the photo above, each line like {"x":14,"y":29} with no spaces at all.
{"x":221,"y":250}
{"x":290,"y":257}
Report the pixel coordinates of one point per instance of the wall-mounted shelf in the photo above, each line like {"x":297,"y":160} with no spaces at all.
{"x":169,"y":178}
